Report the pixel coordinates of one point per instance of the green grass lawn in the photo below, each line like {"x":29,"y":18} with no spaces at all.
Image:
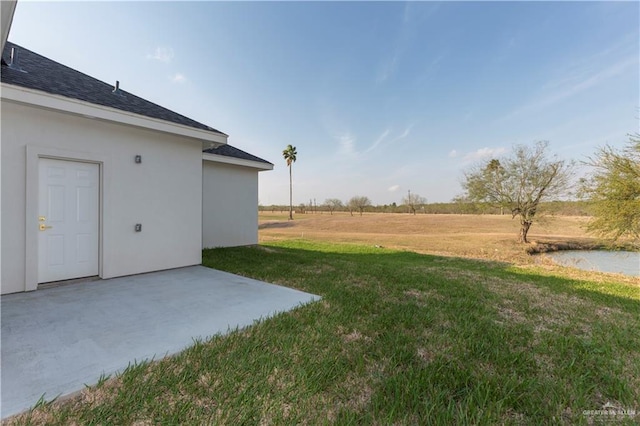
{"x":398,"y":338}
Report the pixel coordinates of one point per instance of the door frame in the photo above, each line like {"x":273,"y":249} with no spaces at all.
{"x":33,"y":155}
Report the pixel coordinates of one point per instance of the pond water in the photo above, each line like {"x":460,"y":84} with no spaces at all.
{"x":623,"y":262}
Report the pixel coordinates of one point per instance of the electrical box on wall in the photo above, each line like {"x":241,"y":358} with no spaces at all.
{"x":138,"y":227}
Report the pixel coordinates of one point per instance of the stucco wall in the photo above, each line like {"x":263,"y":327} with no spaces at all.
{"x":7,"y":9}
{"x":229,"y":205}
{"x":163,"y":193}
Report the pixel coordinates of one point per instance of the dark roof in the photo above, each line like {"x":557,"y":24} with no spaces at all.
{"x":34,"y":71}
{"x":230,"y":151}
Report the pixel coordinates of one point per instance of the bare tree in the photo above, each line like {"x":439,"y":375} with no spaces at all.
{"x":518,"y":183}
{"x":413,"y":201}
{"x":333,"y":204}
{"x":359,"y":203}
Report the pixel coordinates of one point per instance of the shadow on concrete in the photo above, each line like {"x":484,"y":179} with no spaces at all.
{"x":56,"y":340}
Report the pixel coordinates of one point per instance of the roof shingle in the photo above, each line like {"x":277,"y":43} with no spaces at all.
{"x":230,"y":151}
{"x":34,"y":71}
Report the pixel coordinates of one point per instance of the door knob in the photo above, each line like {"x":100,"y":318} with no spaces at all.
{"x":44,"y":227}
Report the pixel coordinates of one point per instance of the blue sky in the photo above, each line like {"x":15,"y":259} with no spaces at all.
{"x":378,"y":97}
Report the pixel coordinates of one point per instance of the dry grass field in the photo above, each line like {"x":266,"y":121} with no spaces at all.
{"x":399,"y":337}
{"x":475,"y":236}
{"x":488,"y":237}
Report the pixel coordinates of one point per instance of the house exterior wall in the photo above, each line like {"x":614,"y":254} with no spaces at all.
{"x":229,"y":205}
{"x":7,"y":9}
{"x":163,"y":193}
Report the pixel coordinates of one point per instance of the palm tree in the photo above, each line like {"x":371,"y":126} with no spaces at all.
{"x":289,"y":155}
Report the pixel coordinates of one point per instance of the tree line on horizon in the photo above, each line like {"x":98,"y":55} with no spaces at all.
{"x":526,"y":184}
{"x":457,"y":206}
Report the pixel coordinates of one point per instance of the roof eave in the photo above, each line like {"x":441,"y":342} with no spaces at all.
{"x":7,"y":11}
{"x":237,"y":161}
{"x":45,"y":100}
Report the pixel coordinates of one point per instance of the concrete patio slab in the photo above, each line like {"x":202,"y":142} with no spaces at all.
{"x":56,"y":340}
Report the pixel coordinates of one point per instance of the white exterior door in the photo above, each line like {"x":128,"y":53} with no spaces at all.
{"x":68,"y":204}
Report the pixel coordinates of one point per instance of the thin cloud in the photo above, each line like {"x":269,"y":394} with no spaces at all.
{"x":483,"y":153}
{"x":453,"y":153}
{"x":405,"y":133}
{"x":408,"y":11}
{"x":347,"y":144}
{"x":588,"y":82}
{"x":178,"y":78}
{"x":419,"y":11}
{"x":432,"y":68}
{"x":162,"y":54}
{"x":625,"y":47}
{"x":387,"y":69}
{"x":378,"y":141}
{"x":414,"y":16}
{"x":403,"y":35}
{"x":394,"y":188}
{"x":575,"y":84}
{"x":382,"y":139}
